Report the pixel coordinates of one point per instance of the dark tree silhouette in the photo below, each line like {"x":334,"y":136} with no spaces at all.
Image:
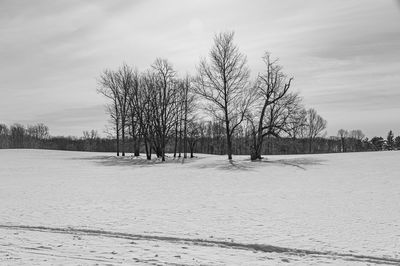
{"x":108,"y":86}
{"x":272,"y":105}
{"x":164,"y":104}
{"x":390,"y":140}
{"x":343,"y":134}
{"x":223,"y":83}
{"x":315,"y":126}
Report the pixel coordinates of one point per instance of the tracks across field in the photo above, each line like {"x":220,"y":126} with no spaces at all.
{"x":209,"y":243}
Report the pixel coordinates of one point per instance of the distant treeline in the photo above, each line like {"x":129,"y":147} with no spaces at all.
{"x":209,"y":139}
{"x":18,"y":136}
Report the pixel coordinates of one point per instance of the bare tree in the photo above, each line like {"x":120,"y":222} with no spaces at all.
{"x":124,"y":78}
{"x":189,"y":111}
{"x":17,"y":132}
{"x":144,"y":102}
{"x":108,"y":86}
{"x":90,"y":138}
{"x":42,"y":131}
{"x":38,"y":131}
{"x":145,"y":98}
{"x":315,"y":126}
{"x":186,"y":109}
{"x":180,"y":99}
{"x":298,"y":124}
{"x":193,"y":134}
{"x":357,"y":136}
{"x":163,"y":103}
{"x":116,"y":85}
{"x":223,"y":83}
{"x":343,"y":134}
{"x":36,"y":134}
{"x":92,"y":134}
{"x":272,"y":106}
{"x":135,"y":109}
{"x":4,"y":132}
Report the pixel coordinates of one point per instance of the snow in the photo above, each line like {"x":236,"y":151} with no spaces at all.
{"x":59,"y":207}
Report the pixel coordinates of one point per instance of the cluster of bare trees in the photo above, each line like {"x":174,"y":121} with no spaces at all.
{"x":350,"y":140}
{"x":156,"y":107}
{"x":20,"y":136}
{"x":153,"y":107}
{"x":90,"y":138}
{"x":266,"y":106}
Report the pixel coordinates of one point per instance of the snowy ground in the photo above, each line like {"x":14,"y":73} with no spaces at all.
{"x":90,"y":208}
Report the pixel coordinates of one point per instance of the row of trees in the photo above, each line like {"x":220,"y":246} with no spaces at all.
{"x":350,"y":140}
{"x":19,"y":136}
{"x":155,"y":107}
{"x":355,"y":140}
{"x":38,"y":137}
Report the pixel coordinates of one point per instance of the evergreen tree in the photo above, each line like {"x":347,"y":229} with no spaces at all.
{"x":390,"y":140}
{"x":397,"y":143}
{"x":377,"y":143}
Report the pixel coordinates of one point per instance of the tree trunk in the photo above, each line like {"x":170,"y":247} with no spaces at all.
{"x":117,"y":132}
{"x":147,"y":148}
{"x":228,"y":138}
{"x":185,"y":134}
{"x":180,"y":142}
{"x":136,"y":137}
{"x":229,"y":147}
{"x":162,"y":148}
{"x":123,"y":138}
{"x":343,"y":145}
{"x":163,"y":154}
{"x":157,"y":151}
{"x":257,"y":147}
{"x":191,"y":147}
{"x":137,"y":147}
{"x":176,"y":138}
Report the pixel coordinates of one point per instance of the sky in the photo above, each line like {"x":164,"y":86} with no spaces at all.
{"x":344,"y":55}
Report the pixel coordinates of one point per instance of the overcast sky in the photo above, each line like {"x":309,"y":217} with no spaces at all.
{"x":344,"y":55}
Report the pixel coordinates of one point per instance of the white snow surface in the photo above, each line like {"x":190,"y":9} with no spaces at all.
{"x":79,"y":208}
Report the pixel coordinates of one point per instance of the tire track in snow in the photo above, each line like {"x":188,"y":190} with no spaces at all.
{"x":206,"y":242}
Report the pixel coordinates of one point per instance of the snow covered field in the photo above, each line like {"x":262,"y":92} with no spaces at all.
{"x":89,"y":208}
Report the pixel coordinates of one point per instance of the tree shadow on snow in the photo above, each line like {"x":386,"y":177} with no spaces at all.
{"x":226,"y":165}
{"x":133,"y":161}
{"x":245,"y":165}
{"x":235,"y":165}
{"x":218,"y":163}
{"x":300,"y":163}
